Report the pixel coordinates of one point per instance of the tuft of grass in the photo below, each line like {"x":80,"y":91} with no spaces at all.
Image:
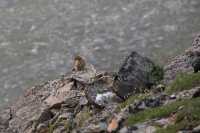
{"x":192,"y":106}
{"x":51,"y":128}
{"x":184,"y":81}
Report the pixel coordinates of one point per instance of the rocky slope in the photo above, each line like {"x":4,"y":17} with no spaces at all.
{"x":133,"y":100}
{"x":180,"y":64}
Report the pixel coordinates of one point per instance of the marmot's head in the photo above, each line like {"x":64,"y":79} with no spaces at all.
{"x":78,"y":58}
{"x":79,"y":63}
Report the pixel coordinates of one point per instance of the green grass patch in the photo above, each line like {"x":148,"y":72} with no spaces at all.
{"x":187,"y":118}
{"x":192,"y":106}
{"x":184,"y":81}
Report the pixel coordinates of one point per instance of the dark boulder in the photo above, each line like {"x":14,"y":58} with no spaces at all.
{"x":136,"y":74}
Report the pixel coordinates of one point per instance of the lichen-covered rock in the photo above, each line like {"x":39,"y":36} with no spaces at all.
{"x":59,"y":96}
{"x":136,"y":74}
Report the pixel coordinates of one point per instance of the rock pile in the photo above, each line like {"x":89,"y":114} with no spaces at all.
{"x":69,"y":101}
{"x":88,"y":101}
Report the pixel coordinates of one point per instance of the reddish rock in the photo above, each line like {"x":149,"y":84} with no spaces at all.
{"x":113,"y":125}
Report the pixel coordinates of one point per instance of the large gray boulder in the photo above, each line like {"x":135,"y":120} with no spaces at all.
{"x":136,"y":74}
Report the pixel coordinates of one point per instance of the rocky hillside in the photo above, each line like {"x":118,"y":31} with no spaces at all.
{"x":140,"y":98}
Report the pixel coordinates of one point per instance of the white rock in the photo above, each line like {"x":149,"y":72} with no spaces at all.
{"x":102,"y":99}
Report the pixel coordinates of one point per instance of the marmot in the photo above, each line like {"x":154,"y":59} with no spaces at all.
{"x":79,"y":64}
{"x":194,"y":59}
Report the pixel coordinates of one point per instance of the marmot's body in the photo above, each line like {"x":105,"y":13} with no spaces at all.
{"x":194,"y":59}
{"x":79,"y":64}
{"x":196,"y":63}
{"x":194,"y":54}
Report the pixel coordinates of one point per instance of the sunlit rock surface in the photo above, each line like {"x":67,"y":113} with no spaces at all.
{"x":39,"y":37}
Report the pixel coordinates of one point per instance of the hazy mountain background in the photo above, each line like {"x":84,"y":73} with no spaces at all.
{"x":38,"y":38}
